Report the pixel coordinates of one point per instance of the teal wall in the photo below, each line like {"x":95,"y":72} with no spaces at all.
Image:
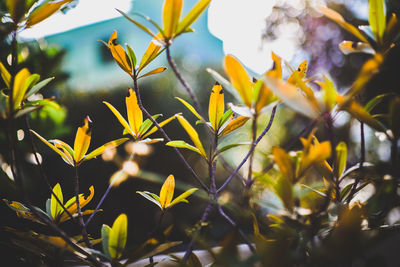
{"x":90,"y":67}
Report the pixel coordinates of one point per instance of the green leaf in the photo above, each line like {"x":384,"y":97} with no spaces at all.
{"x":377,"y":18}
{"x":192,"y":16}
{"x":183,"y":144}
{"x":341,"y":159}
{"x":229,"y":146}
{"x":394,"y":122}
{"x":5,"y":75}
{"x":147,"y":124}
{"x":105,"y":236}
{"x":55,"y":207}
{"x":155,"y":24}
{"x":144,"y":28}
{"x":25,"y":110}
{"x":150,"y":196}
{"x":182,"y":197}
{"x":38,"y":86}
{"x":227,"y":115}
{"x":131,"y":55}
{"x":118,"y":236}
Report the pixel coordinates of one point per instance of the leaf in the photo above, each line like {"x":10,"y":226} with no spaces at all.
{"x":182,"y":197}
{"x":105,"y":236}
{"x":167,"y":191}
{"x":349,"y":47}
{"x":239,"y":79}
{"x":82,"y":139}
{"x":5,"y":75}
{"x":336,"y":17}
{"x":152,"y":51}
{"x":225,"y":83}
{"x":194,"y":136}
{"x":233,"y":125}
{"x":183,"y":144}
{"x":284,"y":163}
{"x":330,"y":93}
{"x":374,"y":102}
{"x":38,"y":86}
{"x":25,"y":110}
{"x":299,"y":73}
{"x":394,"y":111}
{"x":284,"y":190}
{"x":216,"y":106}
{"x":19,"y":86}
{"x":161,"y":248}
{"x":229,"y":146}
{"x":147,"y":124}
{"x":143,"y":28}
{"x":227,"y":115}
{"x":55,"y":207}
{"x":291,"y":96}
{"x":341,"y":159}
{"x":161,"y":124}
{"x":119,"y":54}
{"x":241,"y":110}
{"x":70,"y":205}
{"x":100,"y":150}
{"x":120,"y":118}
{"x":171,"y":15}
{"x":44,"y":11}
{"x":377,"y":18}
{"x":263,"y":95}
{"x":64,"y":147}
{"x":155,"y":71}
{"x":358,"y":112}
{"x":191,"y":108}
{"x":65,"y":157}
{"x":149,"y":196}
{"x":135,"y":115}
{"x":316,"y":153}
{"x":118,"y":236}
{"x":192,"y":16}
{"x":16,"y":8}
{"x":131,"y":55}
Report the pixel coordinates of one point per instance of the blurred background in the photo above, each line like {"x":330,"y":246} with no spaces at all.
{"x":66,"y":46}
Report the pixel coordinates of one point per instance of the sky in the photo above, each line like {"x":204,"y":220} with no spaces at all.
{"x":240,"y":27}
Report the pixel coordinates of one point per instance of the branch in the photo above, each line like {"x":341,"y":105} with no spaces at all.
{"x":78,"y":206}
{"x":253,"y":146}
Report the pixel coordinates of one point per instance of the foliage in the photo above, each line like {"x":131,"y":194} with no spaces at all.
{"x":315,"y":216}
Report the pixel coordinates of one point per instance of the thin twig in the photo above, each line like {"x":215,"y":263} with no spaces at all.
{"x":362,"y":160}
{"x":329,"y":127}
{"x":78,"y":206}
{"x":182,"y":158}
{"x":253,"y":139}
{"x":253,"y":146}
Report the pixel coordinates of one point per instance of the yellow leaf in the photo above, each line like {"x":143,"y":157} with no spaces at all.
{"x":155,"y":71}
{"x":171,"y":15}
{"x":190,"y":107}
{"x":276,"y":70}
{"x":135,"y":116}
{"x":118,"y":236}
{"x":284,"y":163}
{"x":151,"y":53}
{"x":65,"y":148}
{"x":19,"y":89}
{"x":336,"y":17}
{"x":377,"y":18}
{"x":239,"y":79}
{"x":121,"y":119}
{"x":192,"y":134}
{"x":234,"y":124}
{"x":44,"y":11}
{"x":5,"y":75}
{"x":191,"y":17}
{"x":16,"y":8}
{"x":317,"y":153}
{"x":167,"y":191}
{"x":119,"y":54}
{"x":265,"y":97}
{"x":348,"y":47}
{"x":292,"y":97}
{"x":216,"y":106}
{"x":70,"y":205}
{"x":82,"y":139}
{"x":59,"y":152}
{"x":101,"y":149}
{"x":55,"y":207}
{"x":300,"y":73}
{"x":341,"y":158}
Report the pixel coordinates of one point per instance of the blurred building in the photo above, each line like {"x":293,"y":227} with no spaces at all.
{"x":89,"y":62}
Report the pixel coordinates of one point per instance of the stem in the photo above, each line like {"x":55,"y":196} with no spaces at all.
{"x":362,"y":160}
{"x":329,"y":127}
{"x":78,"y":206}
{"x":155,"y":230}
{"x":203,"y":220}
{"x":395,"y":166}
{"x":253,"y":136}
{"x":251,"y":150}
{"x":231,"y":222}
{"x":99,"y":204}
{"x":182,"y":158}
{"x":182,"y":81}
{"x":42,"y":173}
